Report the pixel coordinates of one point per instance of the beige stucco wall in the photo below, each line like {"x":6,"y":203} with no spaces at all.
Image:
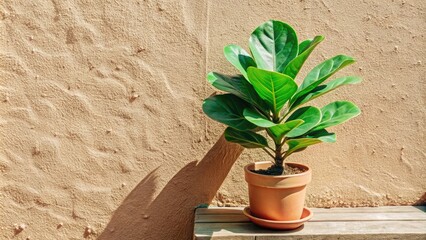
{"x":101,"y":123}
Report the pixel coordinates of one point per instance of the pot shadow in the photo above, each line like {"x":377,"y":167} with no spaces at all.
{"x":171,"y":213}
{"x":421,"y":201}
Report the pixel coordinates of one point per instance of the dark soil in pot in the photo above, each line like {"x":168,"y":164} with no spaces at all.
{"x":278,"y":170}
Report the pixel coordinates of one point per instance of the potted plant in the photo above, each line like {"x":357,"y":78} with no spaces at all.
{"x":264,"y":101}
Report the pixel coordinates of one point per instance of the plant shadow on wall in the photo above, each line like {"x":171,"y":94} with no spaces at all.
{"x":171,"y":213}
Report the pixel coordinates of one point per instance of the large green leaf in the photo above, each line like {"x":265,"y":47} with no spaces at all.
{"x":275,"y":88}
{"x":321,"y":73}
{"x":296,"y":64}
{"x":280,"y":130}
{"x":239,"y":58}
{"x":336,"y":113}
{"x":326,"y":69}
{"x":227,"y":109}
{"x":322,"y":135}
{"x":238,"y":86}
{"x":299,"y":144}
{"x":246,"y":139}
{"x":311,"y":117}
{"x":257,"y":118}
{"x":273,"y":45}
{"x":323,"y":89}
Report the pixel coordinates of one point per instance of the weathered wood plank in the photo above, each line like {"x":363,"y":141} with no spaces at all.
{"x":322,"y":237}
{"x":219,"y":210}
{"x":376,"y":216}
{"x":344,"y":223}
{"x":388,"y":209}
{"x":221,"y":218}
{"x":323,"y":216}
{"x":344,"y":237}
{"x":313,"y":229}
{"x":252,"y":237}
{"x":247,"y":237}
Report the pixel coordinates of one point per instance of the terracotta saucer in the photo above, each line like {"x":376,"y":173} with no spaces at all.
{"x":279,"y":225}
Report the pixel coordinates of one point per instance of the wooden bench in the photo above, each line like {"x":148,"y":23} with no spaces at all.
{"x":401,"y":222}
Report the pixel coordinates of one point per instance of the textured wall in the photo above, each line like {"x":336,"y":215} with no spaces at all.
{"x":101,"y":123}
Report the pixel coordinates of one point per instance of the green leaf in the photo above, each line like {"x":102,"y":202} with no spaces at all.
{"x":321,"y":73}
{"x":280,"y":130}
{"x":322,"y":135}
{"x":323,"y":89}
{"x":239,"y":58}
{"x":227,"y":109}
{"x":246,"y":139}
{"x":311,"y":117}
{"x":256,"y":118}
{"x":296,"y":64}
{"x":326,"y":69}
{"x":304,"y":45}
{"x":298,"y":144}
{"x":275,"y":88}
{"x":336,"y":113}
{"x":238,"y":86}
{"x":273,"y":45}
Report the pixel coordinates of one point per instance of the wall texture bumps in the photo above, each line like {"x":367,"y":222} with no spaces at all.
{"x":98,"y":98}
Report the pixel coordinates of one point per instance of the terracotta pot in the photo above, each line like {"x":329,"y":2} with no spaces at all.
{"x":279,"y":198}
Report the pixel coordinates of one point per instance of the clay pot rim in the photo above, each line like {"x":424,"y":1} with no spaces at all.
{"x":307,"y":172}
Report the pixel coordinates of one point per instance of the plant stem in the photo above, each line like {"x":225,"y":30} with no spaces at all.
{"x":270,"y":154}
{"x":278,"y":158}
{"x":270,"y":148}
{"x":275,"y":117}
{"x":260,"y":111}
